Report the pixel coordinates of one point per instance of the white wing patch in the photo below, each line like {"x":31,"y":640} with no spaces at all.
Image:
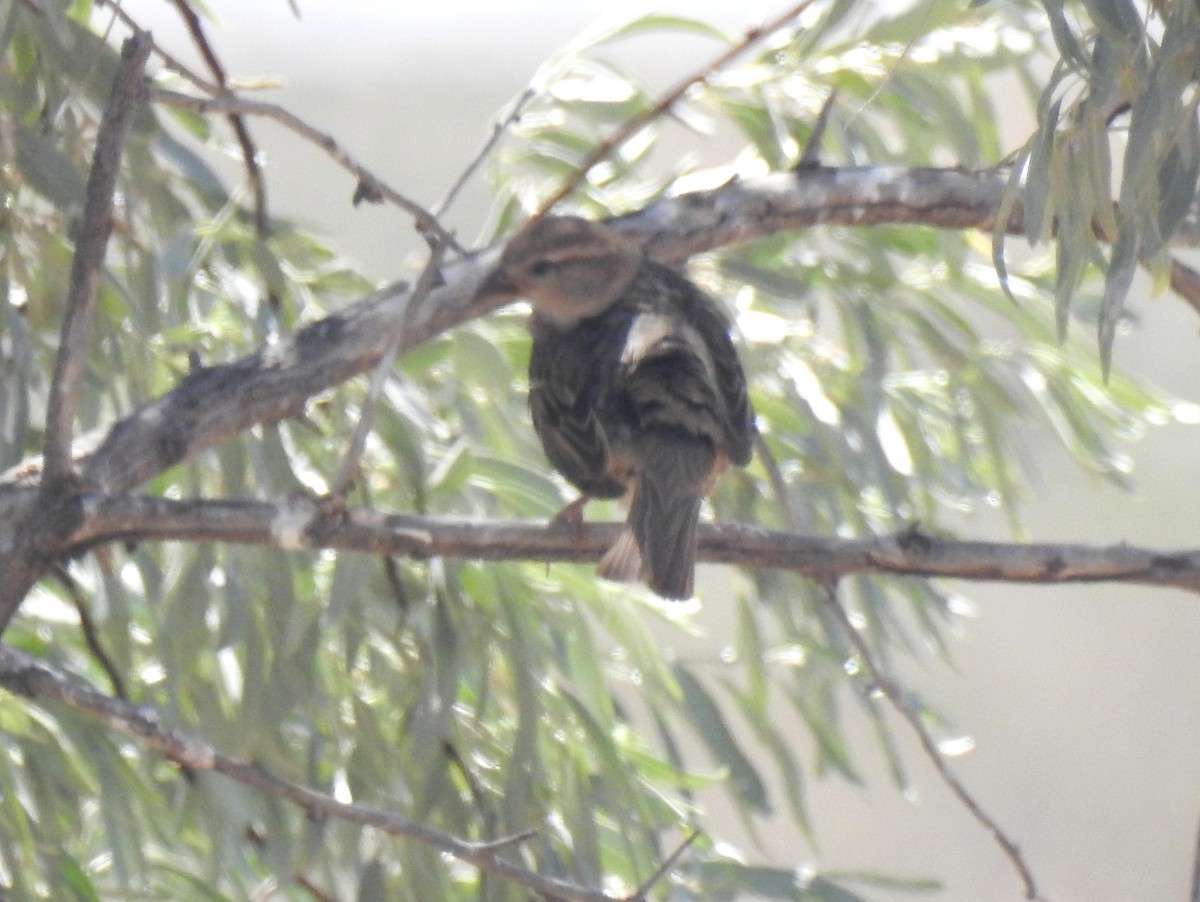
{"x":649,"y":331}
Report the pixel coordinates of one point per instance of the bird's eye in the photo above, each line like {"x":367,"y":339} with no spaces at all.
{"x":541,"y":268}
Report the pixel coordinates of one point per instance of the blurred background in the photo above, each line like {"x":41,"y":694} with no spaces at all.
{"x":1083,"y":704}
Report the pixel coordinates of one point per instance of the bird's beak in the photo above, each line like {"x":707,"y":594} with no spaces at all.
{"x":496,"y":288}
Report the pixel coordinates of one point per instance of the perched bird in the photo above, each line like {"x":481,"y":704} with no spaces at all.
{"x":635,"y":388}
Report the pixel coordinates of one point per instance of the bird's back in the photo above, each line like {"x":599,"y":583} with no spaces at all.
{"x":679,"y":367}
{"x":571,"y":381}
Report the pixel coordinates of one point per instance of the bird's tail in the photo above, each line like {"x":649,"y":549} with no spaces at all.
{"x":658,"y":543}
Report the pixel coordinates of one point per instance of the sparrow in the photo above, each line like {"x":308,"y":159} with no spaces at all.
{"x":635,"y":388}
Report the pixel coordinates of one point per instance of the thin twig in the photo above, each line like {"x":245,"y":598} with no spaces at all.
{"x":811,"y":156}
{"x":168,"y":60}
{"x":905,"y":709}
{"x":636,"y":123}
{"x":662,"y":869}
{"x":1195,"y":894}
{"x":91,"y":635}
{"x":498,"y":129}
{"x":383,"y":369}
{"x":477,"y":794}
{"x":226,"y":103}
{"x":312,"y":889}
{"x":26,"y":676}
{"x":236,"y":122}
{"x":94,"y":229}
{"x":777,"y":482}
{"x":505,"y":842}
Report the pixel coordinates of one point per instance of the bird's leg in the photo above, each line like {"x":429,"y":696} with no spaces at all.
{"x":572,"y":514}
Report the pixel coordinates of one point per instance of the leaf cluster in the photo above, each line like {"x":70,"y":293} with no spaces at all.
{"x":1118,"y":113}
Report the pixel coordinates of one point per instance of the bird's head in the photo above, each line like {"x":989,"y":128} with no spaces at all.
{"x":567,"y":267}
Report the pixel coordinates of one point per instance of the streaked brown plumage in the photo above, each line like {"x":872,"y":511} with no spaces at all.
{"x":634,"y":387}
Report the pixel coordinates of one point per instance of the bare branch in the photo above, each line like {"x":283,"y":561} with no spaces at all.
{"x":127,"y":92}
{"x":228,"y":104}
{"x":298,"y":522}
{"x":383,"y":369}
{"x":236,"y":122}
{"x":498,"y":129}
{"x":635,"y":124}
{"x":912,"y":714}
{"x":30,"y":678}
{"x":168,"y":60}
{"x":91,"y":635}
{"x":662,"y":870}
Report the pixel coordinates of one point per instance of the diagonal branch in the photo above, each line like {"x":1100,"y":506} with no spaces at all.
{"x":912,"y":715}
{"x":169,"y":61}
{"x":24,"y":675}
{"x":128,"y":91}
{"x":230,"y":104}
{"x":344,"y":478}
{"x":236,"y":122}
{"x":498,"y":128}
{"x":635,"y":124}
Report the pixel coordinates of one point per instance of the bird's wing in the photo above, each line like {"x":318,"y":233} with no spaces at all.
{"x":565,"y":391}
{"x":667,"y":377}
{"x":709,"y":330}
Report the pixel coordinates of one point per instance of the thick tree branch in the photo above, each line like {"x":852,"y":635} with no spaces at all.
{"x":25,"y":676}
{"x":128,"y":91}
{"x":1185,"y":282}
{"x":301,"y":522}
{"x":36,"y":524}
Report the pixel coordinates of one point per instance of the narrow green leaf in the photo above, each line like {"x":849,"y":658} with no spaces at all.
{"x":1121,"y":266}
{"x":830,"y":743}
{"x":1071,"y":257}
{"x":750,"y":654}
{"x":372,"y":883}
{"x":1118,"y":16}
{"x":1140,"y":172}
{"x":721,"y":742}
{"x":659,"y":22}
{"x":1038,"y":172}
{"x":1064,"y":38}
{"x":784,"y":752}
{"x":1177,"y":181}
{"x":821,"y":889}
{"x":48,"y":171}
{"x":1000,"y":230}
